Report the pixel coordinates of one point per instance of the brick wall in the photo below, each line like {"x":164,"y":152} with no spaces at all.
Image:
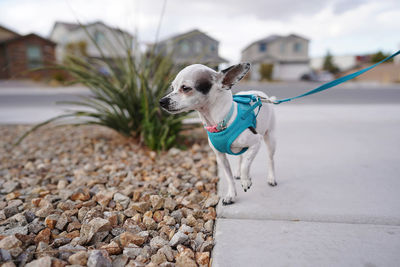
{"x":14,"y":60}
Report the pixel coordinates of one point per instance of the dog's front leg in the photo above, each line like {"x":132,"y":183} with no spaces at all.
{"x":247,"y":160}
{"x":236,"y":172}
{"x":223,"y":163}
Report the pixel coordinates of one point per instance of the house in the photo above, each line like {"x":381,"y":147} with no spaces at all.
{"x":87,"y":39}
{"x":20,"y":54}
{"x":286,"y":57}
{"x":192,"y":47}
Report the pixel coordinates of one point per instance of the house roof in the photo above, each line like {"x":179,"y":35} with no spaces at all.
{"x":19,"y":37}
{"x":187,"y":34}
{"x":273,"y":38}
{"x":69,"y":26}
{"x":76,"y":26}
{"x":8,"y":30}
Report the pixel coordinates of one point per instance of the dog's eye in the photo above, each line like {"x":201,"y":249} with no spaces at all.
{"x":185,"y":88}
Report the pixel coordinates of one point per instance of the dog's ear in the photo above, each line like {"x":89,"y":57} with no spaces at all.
{"x":233,"y":74}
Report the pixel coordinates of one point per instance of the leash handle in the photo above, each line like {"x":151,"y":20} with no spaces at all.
{"x":337,"y":81}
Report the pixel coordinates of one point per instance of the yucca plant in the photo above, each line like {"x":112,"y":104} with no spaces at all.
{"x":126,"y":99}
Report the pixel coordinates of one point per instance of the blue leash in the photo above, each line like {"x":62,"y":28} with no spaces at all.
{"x":337,"y":81}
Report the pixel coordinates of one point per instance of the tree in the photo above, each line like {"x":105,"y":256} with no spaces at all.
{"x":379,"y":56}
{"x":329,"y":65}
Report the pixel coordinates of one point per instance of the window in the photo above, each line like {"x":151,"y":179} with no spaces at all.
{"x":99,"y":37}
{"x":185,"y":47}
{"x":34,"y":56}
{"x":297,"y":47}
{"x":212,"y":48}
{"x":282,"y":48}
{"x":197,"y":47}
{"x":262,"y":47}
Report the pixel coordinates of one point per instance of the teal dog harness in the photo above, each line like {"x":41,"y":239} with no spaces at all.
{"x":245,"y":118}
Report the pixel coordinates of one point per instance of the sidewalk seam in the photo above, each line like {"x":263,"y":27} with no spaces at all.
{"x":307,"y":221}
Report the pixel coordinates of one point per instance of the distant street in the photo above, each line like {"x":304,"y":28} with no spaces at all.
{"x":35,"y":104}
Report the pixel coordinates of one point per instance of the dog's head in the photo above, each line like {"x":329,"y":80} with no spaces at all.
{"x":196,"y":85}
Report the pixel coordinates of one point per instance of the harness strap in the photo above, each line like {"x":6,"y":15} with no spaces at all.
{"x":254,"y":106}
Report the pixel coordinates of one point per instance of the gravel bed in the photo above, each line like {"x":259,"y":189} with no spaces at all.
{"x":86,"y":196}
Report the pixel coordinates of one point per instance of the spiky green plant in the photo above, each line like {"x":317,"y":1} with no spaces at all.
{"x":126,"y":99}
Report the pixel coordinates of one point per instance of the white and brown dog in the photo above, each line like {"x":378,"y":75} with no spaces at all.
{"x":200,"y":88}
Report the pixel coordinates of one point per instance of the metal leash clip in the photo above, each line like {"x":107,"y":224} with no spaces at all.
{"x":271,"y":100}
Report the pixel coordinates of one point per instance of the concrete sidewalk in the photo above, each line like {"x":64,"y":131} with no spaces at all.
{"x":337,"y":201}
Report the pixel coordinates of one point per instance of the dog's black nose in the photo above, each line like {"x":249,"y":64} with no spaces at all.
{"x":164,"y":102}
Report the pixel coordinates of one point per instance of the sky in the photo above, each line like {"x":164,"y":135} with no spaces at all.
{"x":344,"y":27}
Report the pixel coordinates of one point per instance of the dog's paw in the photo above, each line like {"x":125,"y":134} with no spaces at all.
{"x":236,"y":177}
{"x":271,"y":180}
{"x":246,"y":184}
{"x":228,"y":200}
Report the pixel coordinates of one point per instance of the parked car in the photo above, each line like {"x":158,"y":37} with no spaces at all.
{"x":322,"y":76}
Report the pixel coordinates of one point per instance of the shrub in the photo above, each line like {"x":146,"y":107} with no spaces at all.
{"x":266,"y":71}
{"x":124,"y":98}
{"x":375,"y":58}
{"x":59,"y":76}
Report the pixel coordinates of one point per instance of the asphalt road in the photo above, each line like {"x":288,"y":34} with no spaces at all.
{"x":33,"y":104}
{"x":346,"y":94}
{"x":37,"y":99}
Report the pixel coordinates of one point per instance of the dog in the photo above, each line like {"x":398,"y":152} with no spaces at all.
{"x":200,"y":88}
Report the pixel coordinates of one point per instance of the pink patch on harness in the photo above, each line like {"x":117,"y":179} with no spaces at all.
{"x":211,"y":129}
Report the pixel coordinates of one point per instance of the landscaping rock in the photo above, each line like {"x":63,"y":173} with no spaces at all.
{"x":4,"y":255}
{"x":211,"y":201}
{"x":51,"y":221}
{"x":79,"y":258}
{"x":157,"y":202}
{"x":94,"y":226}
{"x":208,"y":226}
{"x":132,"y":251}
{"x":157,"y":242}
{"x":141,"y":207}
{"x":43,"y":236}
{"x":203,"y":258}
{"x":62,"y":221}
{"x":12,"y":245}
{"x":122,"y":199}
{"x":112,"y":248}
{"x":89,"y":197}
{"x":185,"y":261}
{"x":9,"y":186}
{"x":169,"y":204}
{"x":127,"y":238}
{"x":41,"y":262}
{"x":158,"y":258}
{"x":178,"y":238}
{"x":167,"y":252}
{"x":99,"y":258}
{"x":10,"y":211}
